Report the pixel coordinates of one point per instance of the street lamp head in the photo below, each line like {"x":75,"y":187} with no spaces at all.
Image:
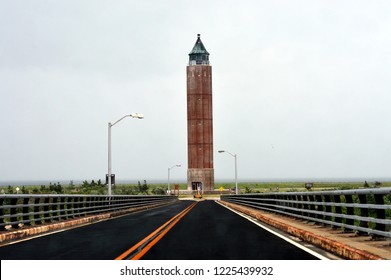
{"x":176,"y":165}
{"x":137,"y":116}
{"x":223,"y":151}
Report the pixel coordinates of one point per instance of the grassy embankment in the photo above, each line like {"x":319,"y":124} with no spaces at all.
{"x":144,"y":188}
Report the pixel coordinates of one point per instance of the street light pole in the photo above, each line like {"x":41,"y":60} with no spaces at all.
{"x":109,"y":160}
{"x":135,"y":116}
{"x":168,"y":181}
{"x":236,"y":170}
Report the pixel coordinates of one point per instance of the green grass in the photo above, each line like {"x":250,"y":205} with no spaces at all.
{"x":128,"y":189}
{"x":295,"y":186}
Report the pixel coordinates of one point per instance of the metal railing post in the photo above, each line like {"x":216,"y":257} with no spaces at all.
{"x":26,"y":211}
{"x":363,"y":213}
{"x":46,"y":209}
{"x":13,"y":211}
{"x":318,"y":208}
{"x":350,"y":212}
{"x":2,"y":212}
{"x":338,"y":209}
{"x":61,"y":208}
{"x":327,"y":199}
{"x":37,"y":217}
{"x":56,"y":208}
{"x":380,"y":213}
{"x":77,"y":206}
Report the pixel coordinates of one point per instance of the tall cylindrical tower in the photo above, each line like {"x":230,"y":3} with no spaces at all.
{"x":200,"y":173}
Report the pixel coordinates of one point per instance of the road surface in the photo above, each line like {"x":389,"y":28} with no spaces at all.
{"x":186,"y":230}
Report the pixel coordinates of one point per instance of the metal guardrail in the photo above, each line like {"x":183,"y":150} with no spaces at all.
{"x":362,"y":210}
{"x":43,"y":209}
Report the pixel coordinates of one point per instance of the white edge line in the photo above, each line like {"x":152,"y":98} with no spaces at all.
{"x":277,"y":234}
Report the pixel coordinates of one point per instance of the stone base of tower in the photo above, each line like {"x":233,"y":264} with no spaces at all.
{"x":202,"y":178}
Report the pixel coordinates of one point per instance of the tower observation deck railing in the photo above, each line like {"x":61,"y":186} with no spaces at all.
{"x":17,"y":210}
{"x":366,"y":211}
{"x":198,"y":62}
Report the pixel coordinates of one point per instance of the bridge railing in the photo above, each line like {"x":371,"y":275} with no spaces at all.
{"x":17,"y":210}
{"x":366,"y":211}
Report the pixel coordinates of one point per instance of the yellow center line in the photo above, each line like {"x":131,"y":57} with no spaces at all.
{"x":154,"y":237}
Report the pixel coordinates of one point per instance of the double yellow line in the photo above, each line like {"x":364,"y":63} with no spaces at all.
{"x":142,"y":247}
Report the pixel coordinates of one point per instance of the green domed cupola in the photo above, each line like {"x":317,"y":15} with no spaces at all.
{"x":199,"y":55}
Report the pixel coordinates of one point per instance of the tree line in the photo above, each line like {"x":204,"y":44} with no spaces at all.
{"x":87,"y":187}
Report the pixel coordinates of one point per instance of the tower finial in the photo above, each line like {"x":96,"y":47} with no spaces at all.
{"x":198,"y":35}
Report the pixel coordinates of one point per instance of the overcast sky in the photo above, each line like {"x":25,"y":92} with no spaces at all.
{"x":301,"y":89}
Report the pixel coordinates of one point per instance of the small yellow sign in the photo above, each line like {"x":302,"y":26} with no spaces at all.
{"x":221,"y":189}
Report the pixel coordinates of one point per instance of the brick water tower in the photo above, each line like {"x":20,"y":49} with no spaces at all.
{"x":200,"y":173}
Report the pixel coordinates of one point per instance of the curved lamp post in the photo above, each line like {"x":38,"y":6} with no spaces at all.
{"x":236,"y":170}
{"x":135,"y":116}
{"x":168,"y":181}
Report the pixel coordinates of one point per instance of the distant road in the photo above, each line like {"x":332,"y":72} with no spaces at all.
{"x":203,"y":231}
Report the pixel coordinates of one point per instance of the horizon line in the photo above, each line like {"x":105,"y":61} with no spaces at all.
{"x":34,"y":182}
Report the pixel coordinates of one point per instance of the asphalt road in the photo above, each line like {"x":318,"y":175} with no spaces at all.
{"x":206,"y":232}
{"x":212,"y":232}
{"x":100,"y":241}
